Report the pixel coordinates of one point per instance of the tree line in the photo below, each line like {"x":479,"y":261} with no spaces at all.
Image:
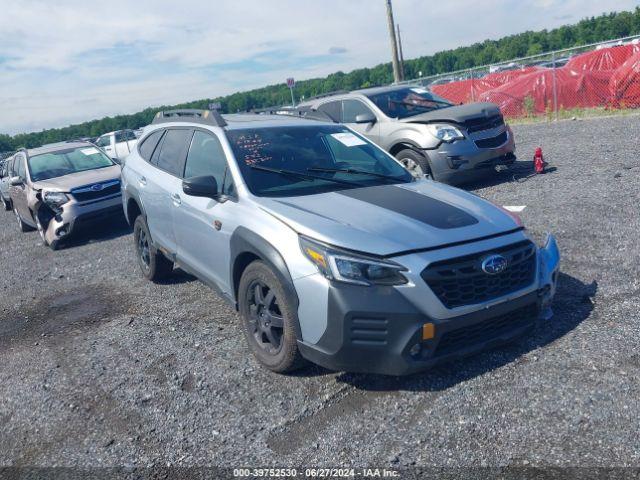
{"x":589,"y":30}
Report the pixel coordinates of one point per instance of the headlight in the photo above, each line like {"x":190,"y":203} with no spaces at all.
{"x":444,"y":132}
{"x":349,"y":268}
{"x":55,"y":199}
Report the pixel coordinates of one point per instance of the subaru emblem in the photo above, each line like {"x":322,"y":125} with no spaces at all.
{"x":494,"y":264}
{"x":97,"y":187}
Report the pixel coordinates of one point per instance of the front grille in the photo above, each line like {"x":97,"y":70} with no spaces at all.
{"x":486,"y":330}
{"x":483,"y":123}
{"x":461,"y":281}
{"x":492,"y":142}
{"x":91,"y":192}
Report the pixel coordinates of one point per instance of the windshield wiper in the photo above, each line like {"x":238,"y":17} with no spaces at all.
{"x":304,"y":176}
{"x":353,"y":171}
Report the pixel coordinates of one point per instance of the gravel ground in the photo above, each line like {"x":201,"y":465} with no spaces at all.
{"x":101,"y":368}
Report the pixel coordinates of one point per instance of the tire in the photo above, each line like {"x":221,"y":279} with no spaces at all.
{"x":55,"y":245}
{"x":268,"y":319}
{"x":40,"y":229}
{"x":416,"y":163}
{"x":154,"y":265}
{"x":6,"y":204}
{"x":23,"y":226}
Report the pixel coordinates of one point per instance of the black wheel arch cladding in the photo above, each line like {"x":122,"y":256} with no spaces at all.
{"x":248,"y":244}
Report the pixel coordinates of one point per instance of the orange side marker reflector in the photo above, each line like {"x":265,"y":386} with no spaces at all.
{"x":428,"y":331}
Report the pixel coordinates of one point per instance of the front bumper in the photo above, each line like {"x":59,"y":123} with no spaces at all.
{"x":75,"y":216}
{"x":377,"y":330}
{"x":463,"y":161}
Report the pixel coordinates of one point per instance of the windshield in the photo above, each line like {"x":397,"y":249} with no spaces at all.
{"x":305,"y":160}
{"x":65,"y":162}
{"x":408,"y":102}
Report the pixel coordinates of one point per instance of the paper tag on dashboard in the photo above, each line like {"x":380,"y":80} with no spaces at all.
{"x":419,"y":90}
{"x":348,"y":139}
{"x":89,"y":151}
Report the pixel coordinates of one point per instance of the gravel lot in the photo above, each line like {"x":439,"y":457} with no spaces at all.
{"x":100,"y":368}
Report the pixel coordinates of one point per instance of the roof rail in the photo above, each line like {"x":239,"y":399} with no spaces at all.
{"x":302,"y":112}
{"x":328,"y":94}
{"x":208,"y":117}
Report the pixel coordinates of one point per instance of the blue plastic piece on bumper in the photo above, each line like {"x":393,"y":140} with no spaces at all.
{"x":548,"y":269}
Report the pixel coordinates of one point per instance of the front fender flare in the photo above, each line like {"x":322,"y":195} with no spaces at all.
{"x":245,"y":241}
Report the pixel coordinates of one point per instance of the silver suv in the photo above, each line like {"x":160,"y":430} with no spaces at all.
{"x":328,"y":248}
{"x":429,"y":135}
{"x":58,"y":188}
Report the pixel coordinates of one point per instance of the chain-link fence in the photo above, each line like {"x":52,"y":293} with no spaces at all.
{"x":591,"y":80}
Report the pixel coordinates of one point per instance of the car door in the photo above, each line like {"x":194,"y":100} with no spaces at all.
{"x":104,"y":142}
{"x":350,"y":110}
{"x":161,"y":185}
{"x":122,"y":144}
{"x":19,"y":192}
{"x":204,"y":226}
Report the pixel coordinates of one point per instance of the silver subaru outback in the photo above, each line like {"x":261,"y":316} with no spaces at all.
{"x":330,"y":250}
{"x":451,"y":143}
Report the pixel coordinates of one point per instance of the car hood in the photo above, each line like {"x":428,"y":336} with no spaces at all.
{"x":457,"y":114}
{"x":68,"y":182}
{"x":389,"y":219}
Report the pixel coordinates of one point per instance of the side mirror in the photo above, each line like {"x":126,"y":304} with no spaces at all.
{"x":15,"y":181}
{"x":366,"y":118}
{"x":204,"y":186}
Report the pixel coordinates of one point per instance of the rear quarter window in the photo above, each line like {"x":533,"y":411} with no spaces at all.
{"x":149,"y":144}
{"x":333,"y":109}
{"x":173,"y":151}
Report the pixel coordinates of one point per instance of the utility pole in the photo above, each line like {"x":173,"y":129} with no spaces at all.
{"x":394,"y":45}
{"x":401,"y":55}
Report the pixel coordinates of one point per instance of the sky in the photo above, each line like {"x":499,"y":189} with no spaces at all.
{"x":70,"y":61}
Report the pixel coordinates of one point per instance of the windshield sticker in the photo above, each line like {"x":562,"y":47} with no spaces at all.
{"x":420,"y":91}
{"x":89,"y":151}
{"x":348,"y":139}
{"x":252,"y":147}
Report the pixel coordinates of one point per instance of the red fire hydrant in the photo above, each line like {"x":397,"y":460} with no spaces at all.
{"x":538,"y":161}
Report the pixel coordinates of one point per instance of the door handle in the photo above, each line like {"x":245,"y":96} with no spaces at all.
{"x":177,"y":201}
{"x":142,"y":181}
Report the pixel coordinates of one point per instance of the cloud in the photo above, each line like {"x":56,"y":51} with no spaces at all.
{"x":72,"y":60}
{"x":337,"y":50}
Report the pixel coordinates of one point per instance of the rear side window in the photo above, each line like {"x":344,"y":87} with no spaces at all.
{"x":206,"y":157}
{"x":174,"y":150}
{"x":351,"y":109}
{"x":149,"y":144}
{"x":332,"y":109}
